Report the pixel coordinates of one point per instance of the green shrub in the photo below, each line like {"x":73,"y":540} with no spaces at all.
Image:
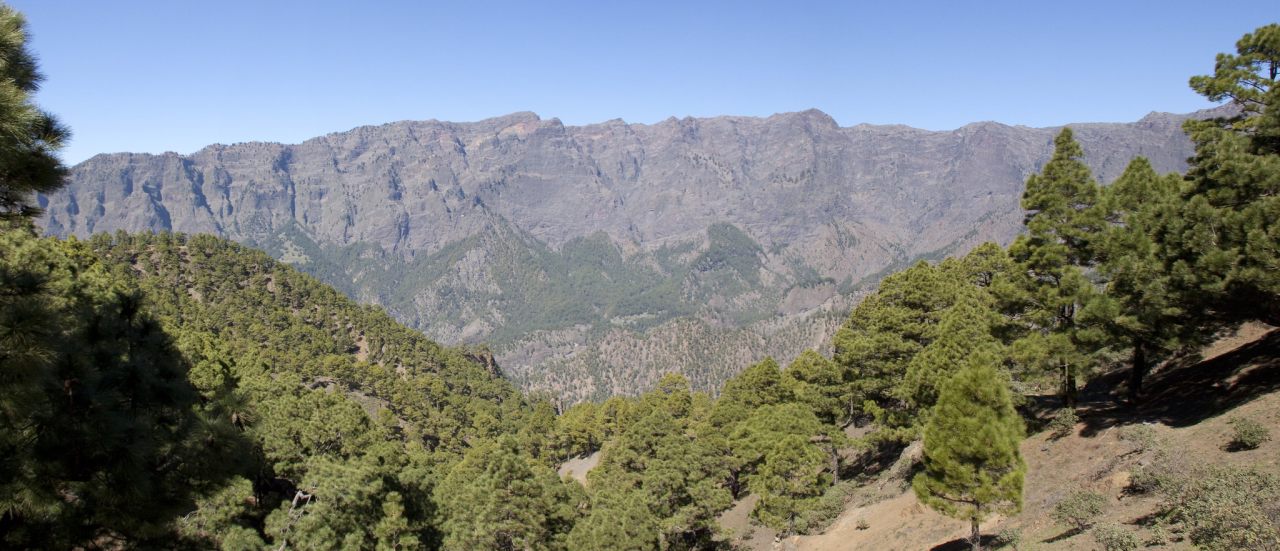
{"x":1248,"y":434}
{"x":862,"y":524}
{"x":1063,"y":423}
{"x":1114,"y":538}
{"x":1164,"y":471}
{"x":1159,"y":535}
{"x":1225,"y":509}
{"x":825,"y":509}
{"x":1009,"y":538}
{"x":1142,"y":436}
{"x":1079,"y":509}
{"x":1144,"y":479}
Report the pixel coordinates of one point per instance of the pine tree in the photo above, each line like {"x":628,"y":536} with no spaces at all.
{"x":498,"y":498}
{"x":752,"y":440}
{"x":29,"y":137}
{"x":676,"y":471}
{"x":1062,"y":219}
{"x":102,"y":437}
{"x":758,"y":385}
{"x":884,"y":332}
{"x":578,"y":430}
{"x":816,"y":381}
{"x":1138,"y":308}
{"x":1222,"y":248}
{"x":789,"y":482}
{"x":618,"y":521}
{"x":356,"y":503}
{"x":965,"y":329}
{"x":972,"y":465}
{"x":1064,"y":224}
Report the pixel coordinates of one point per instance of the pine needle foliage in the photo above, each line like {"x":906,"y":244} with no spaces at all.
{"x":29,"y":136}
{"x":972,"y":466}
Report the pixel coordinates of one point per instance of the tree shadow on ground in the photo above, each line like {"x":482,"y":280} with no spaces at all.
{"x":962,"y":544}
{"x":1037,"y":410}
{"x":1183,"y":395}
{"x":1068,"y":534}
{"x":870,"y":463}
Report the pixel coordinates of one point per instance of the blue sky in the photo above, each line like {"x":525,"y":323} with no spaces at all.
{"x":175,"y":76}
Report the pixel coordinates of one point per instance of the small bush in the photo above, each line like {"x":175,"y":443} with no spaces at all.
{"x":1142,"y":436}
{"x":1159,"y":535}
{"x":825,"y":509}
{"x":1164,"y":471}
{"x":1063,"y":423}
{"x":1248,"y":435}
{"x":1144,"y":479}
{"x":862,"y":524}
{"x":1226,"y":509}
{"x":1079,"y":509}
{"x":1114,"y":538}
{"x":1009,"y":538}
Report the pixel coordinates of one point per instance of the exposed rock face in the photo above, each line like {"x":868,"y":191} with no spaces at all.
{"x":544,"y":238}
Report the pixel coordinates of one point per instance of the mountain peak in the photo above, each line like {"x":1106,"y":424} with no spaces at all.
{"x":513,"y":118}
{"x":810,"y":116}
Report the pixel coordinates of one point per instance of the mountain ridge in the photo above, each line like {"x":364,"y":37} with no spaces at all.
{"x":468,"y":230}
{"x":1150,"y":115}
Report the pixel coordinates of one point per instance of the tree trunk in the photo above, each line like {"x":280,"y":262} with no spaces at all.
{"x":1139,"y":369}
{"x":1069,"y":389}
{"x":975,"y":535}
{"x":835,"y":465}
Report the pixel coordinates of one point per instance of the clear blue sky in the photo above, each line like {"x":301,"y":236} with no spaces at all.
{"x":178,"y":75}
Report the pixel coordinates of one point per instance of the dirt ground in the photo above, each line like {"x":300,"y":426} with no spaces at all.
{"x":578,"y":467}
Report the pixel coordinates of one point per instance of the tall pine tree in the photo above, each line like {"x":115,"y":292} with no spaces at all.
{"x":497,"y":497}
{"x":965,"y":328}
{"x":1063,"y":225}
{"x":884,"y":332}
{"x":1223,"y":247}
{"x":1137,"y":308}
{"x":790,"y":480}
{"x":972,"y":466}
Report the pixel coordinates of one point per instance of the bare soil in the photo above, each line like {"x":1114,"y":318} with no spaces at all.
{"x":578,"y":467}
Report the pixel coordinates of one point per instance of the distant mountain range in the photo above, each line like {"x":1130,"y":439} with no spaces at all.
{"x":594,"y":258}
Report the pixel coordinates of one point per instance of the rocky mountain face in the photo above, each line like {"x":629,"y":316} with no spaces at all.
{"x":594,"y":258}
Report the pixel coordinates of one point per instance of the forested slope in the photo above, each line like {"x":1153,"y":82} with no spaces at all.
{"x":333,"y":419}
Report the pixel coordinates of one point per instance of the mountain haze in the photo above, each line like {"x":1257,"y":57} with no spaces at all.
{"x":592,"y":258}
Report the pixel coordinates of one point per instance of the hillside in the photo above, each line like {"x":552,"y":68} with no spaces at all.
{"x":1183,"y":426}
{"x":545,"y":240}
{"x":266,"y":315}
{"x":279,"y":388}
